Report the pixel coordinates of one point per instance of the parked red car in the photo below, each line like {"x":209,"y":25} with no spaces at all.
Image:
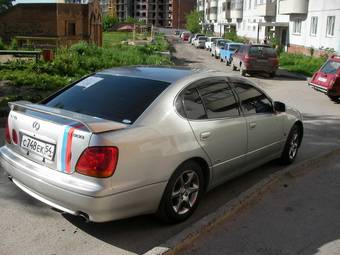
{"x":327,"y":79}
{"x":185,"y":37}
{"x":255,"y":58}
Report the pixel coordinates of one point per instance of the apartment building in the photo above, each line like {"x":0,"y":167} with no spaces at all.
{"x":297,"y":25}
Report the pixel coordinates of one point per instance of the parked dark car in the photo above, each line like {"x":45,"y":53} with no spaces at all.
{"x":327,"y":79}
{"x":255,"y":58}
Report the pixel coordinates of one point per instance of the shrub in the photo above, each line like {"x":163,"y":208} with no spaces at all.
{"x":109,"y":22}
{"x":235,"y":38}
{"x":2,"y":45}
{"x":80,"y":59}
{"x":13,"y":45}
{"x":299,"y":63}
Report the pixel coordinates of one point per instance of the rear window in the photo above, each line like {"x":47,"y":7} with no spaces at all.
{"x":202,"y":38}
{"x":117,"y":98}
{"x":262,"y":51}
{"x":221,"y":43}
{"x":331,"y":67}
{"x":233,"y":47}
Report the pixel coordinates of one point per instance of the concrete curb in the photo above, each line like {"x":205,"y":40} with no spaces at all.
{"x":207,"y":223}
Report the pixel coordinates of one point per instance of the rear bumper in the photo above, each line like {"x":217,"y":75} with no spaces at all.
{"x":330,"y":92}
{"x":99,"y":208}
{"x":265,"y":69}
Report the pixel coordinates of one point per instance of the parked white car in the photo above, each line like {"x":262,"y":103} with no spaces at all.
{"x":210,"y":41}
{"x":200,"y":42}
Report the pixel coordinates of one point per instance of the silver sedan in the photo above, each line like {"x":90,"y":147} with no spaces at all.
{"x":141,"y":140}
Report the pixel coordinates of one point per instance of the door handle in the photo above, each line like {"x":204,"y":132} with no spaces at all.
{"x":204,"y":135}
{"x":252,"y":125}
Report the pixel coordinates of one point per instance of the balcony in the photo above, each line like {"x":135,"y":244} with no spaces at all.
{"x":236,"y":9}
{"x":293,"y":6}
{"x":213,"y":3}
{"x":213,"y":16}
{"x":266,"y":9}
{"x":201,"y":8}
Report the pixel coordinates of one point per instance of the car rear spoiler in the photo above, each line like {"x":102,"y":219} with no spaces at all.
{"x":93,"y":124}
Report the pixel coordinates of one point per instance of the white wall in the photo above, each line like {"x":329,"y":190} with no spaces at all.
{"x":320,"y":9}
{"x":249,"y":24}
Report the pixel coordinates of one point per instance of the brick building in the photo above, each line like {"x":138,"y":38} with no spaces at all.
{"x":180,"y":8}
{"x":52,"y":24}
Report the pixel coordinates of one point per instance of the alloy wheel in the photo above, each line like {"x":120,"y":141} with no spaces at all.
{"x":185,"y":192}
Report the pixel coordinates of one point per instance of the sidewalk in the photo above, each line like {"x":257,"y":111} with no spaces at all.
{"x":298,"y":215}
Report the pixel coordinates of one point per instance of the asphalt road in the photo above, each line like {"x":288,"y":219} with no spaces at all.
{"x":299,"y":215}
{"x":30,"y":227}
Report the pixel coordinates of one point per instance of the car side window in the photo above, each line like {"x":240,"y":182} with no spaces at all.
{"x":193,"y":105}
{"x":252,"y":100}
{"x":219,"y":100}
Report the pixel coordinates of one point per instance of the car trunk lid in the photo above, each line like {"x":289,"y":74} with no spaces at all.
{"x":53,"y":137}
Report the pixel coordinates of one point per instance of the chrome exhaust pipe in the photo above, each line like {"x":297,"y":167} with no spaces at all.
{"x":84,"y":216}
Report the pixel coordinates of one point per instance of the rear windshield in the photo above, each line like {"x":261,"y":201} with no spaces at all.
{"x":117,"y":98}
{"x":331,"y":67}
{"x":262,"y":51}
{"x":233,"y":47}
{"x":202,"y":38}
{"x":221,"y":43}
{"x":214,"y":39}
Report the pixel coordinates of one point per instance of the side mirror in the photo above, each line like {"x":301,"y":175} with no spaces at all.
{"x":279,"y":107}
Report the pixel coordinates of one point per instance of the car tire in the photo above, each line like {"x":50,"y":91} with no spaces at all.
{"x":233,"y":67}
{"x":292,"y":146}
{"x":227,"y":63}
{"x":215,"y":56}
{"x":242,"y":71}
{"x":221,"y":59}
{"x":334,"y":98}
{"x":182,"y":193}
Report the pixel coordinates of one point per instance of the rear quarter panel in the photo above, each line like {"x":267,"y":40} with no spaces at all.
{"x":153,"y":147}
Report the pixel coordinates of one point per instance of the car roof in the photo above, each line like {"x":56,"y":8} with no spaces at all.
{"x":234,"y":43}
{"x":158,"y":73}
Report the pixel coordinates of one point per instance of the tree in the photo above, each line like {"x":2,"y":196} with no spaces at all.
{"x":5,"y":4}
{"x":109,"y":22}
{"x":193,"y":21}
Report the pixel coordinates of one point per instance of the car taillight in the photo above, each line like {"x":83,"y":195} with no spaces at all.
{"x":247,"y":58}
{"x":98,"y":161}
{"x":15,"y":136}
{"x":275,"y":61}
{"x":7,"y":133}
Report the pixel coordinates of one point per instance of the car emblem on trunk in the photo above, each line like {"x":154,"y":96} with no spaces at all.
{"x":36,"y":126}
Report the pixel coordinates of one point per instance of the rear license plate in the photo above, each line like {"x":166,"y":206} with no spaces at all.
{"x":262,"y":61}
{"x":322,"y":79}
{"x":43,"y":149}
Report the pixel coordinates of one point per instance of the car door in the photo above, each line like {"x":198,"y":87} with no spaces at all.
{"x":214,"y":116}
{"x":264,"y":126}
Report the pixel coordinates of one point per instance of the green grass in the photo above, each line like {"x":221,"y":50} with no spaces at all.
{"x":112,"y":38}
{"x":299,"y":63}
{"x":72,"y":63}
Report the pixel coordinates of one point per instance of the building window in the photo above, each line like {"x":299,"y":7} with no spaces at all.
{"x":70,"y":28}
{"x":313,"y":26}
{"x":249,"y":2}
{"x":330,"y":26}
{"x":297,"y":27}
